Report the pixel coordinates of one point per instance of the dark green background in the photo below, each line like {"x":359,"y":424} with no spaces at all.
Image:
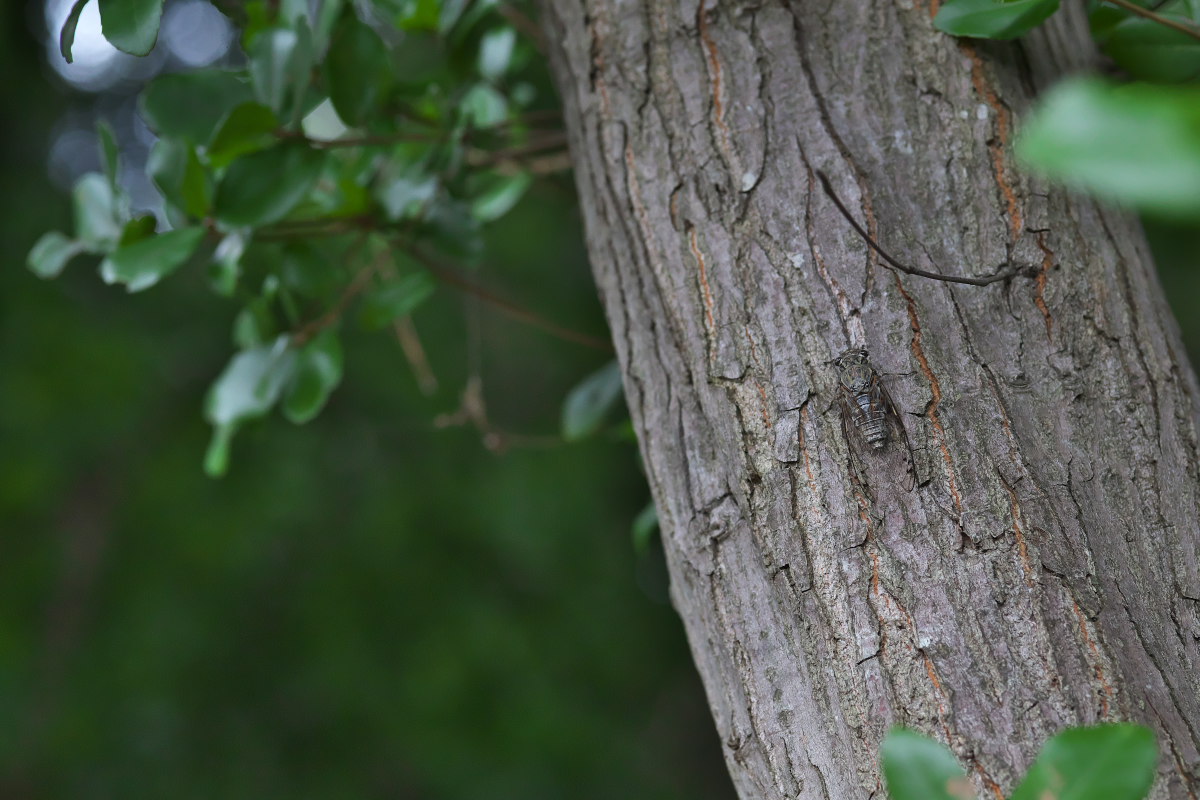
{"x":367,"y":606}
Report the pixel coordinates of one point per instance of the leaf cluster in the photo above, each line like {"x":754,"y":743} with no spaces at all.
{"x":1136,"y":141}
{"x":1103,"y":762}
{"x":356,"y":143}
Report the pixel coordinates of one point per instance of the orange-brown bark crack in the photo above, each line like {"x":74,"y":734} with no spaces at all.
{"x":706,"y":290}
{"x":1106,"y":688}
{"x":714,"y":69}
{"x":1019,"y":533}
{"x":762,"y":393}
{"x":1039,"y":296}
{"x":935,"y":389}
{"x":998,"y":146}
{"x":812,"y":481}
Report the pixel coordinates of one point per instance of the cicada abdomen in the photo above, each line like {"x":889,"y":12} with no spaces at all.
{"x":867,"y":408}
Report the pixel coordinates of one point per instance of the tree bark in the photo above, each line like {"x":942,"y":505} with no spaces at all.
{"x":1046,"y":570}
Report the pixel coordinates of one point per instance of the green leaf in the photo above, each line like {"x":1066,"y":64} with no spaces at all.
{"x":418,"y":15}
{"x":1137,"y":144}
{"x":189,"y":105}
{"x":227,"y":261}
{"x":993,"y":19}
{"x":110,"y":153}
{"x":451,"y":11}
{"x":280,"y":63}
{"x":1104,"y":762}
{"x":138,"y":228}
{"x":144,"y":263}
{"x":177,"y":172}
{"x":309,"y":271}
{"x":255,"y":324}
{"x":248,"y":388}
{"x":918,"y":768}
{"x":263,"y":187}
{"x":318,"y":372}
{"x":247,"y":128}
{"x":590,"y":401}
{"x":405,"y":192}
{"x":396,"y":299}
{"x":484,"y":107}
{"x":495,"y":52}
{"x":51,"y":253}
{"x":97,"y":221}
{"x":644,"y":525}
{"x":356,"y":70}
{"x":131,"y":25}
{"x":498,"y":198}
{"x":1151,"y":51}
{"x":66,"y":37}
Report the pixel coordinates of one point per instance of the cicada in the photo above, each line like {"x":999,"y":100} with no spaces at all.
{"x":868,"y":414}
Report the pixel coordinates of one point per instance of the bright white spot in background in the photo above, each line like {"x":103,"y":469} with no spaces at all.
{"x":94,"y":56}
{"x":196,"y":32}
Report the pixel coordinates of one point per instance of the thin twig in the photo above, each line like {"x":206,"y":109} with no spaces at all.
{"x":353,"y":289}
{"x":1176,"y":25}
{"x":453,"y":277}
{"x":894,"y":264}
{"x":549,"y":141}
{"x":359,"y":141}
{"x":524,"y":24}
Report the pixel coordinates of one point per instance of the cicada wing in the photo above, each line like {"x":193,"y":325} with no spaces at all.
{"x":899,"y":436}
{"x":855,"y":442}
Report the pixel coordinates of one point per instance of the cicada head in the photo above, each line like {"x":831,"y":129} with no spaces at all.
{"x":854,"y":370}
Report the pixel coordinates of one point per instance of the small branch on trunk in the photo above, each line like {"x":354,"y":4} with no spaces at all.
{"x":894,"y":264}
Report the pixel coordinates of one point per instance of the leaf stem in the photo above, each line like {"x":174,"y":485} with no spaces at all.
{"x":1134,"y":8}
{"x":448,"y":275}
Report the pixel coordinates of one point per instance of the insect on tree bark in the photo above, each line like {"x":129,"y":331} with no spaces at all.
{"x":1046,"y":571}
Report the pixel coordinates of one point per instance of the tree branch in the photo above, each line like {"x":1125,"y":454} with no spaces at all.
{"x":1133,"y":8}
{"x":894,"y":264}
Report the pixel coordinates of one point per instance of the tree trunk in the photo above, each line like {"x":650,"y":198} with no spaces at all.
{"x":1046,"y":570}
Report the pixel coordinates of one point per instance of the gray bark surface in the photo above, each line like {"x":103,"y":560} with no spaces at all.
{"x":1046,"y":570}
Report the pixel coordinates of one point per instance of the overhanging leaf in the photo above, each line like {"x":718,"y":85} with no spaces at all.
{"x":66,"y":37}
{"x":993,"y":19}
{"x":177,"y":172}
{"x":131,"y":25}
{"x":1138,"y":144}
{"x":356,"y":69}
{"x":248,"y":387}
{"x":1151,"y":51}
{"x":263,"y":187}
{"x":590,"y":401}
{"x":918,"y":768}
{"x":97,"y":218}
{"x":495,"y":52}
{"x":280,"y":62}
{"x":189,"y":105}
{"x":248,"y":128}
{"x":51,"y":253}
{"x":1104,"y":762}
{"x":144,"y":263}
{"x":110,"y":153}
{"x":500,"y":196}
{"x":644,"y":525}
{"x":317,"y":373}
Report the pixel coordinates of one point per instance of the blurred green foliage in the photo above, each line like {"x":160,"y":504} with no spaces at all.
{"x":1114,"y":761}
{"x":370,"y":606}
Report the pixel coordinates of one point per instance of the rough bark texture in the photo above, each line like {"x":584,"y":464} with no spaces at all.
{"x":1044,"y":573}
